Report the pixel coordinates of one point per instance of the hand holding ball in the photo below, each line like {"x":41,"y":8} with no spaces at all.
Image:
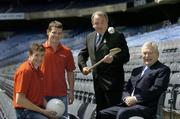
{"x":57,"y":106}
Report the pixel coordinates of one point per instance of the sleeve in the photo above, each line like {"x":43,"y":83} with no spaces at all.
{"x":128,"y":88}
{"x":70,"y":62}
{"x":124,"y":55}
{"x":83,"y":57}
{"x":22,"y":82}
{"x":126,"y":91}
{"x":159,"y":86}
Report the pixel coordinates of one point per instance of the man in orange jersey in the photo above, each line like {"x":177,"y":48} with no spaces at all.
{"x":28,"y":98}
{"x":58,"y":60}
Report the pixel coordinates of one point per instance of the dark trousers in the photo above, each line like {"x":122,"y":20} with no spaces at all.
{"x":29,"y":114}
{"x":105,"y":99}
{"x":124,"y":112}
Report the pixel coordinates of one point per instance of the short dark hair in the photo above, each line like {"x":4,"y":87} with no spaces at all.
{"x":56,"y":24}
{"x":35,"y":47}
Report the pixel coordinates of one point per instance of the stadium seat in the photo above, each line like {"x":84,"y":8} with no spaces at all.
{"x":177,"y":102}
{"x":177,"y":96}
{"x":90,"y":111}
{"x":73,"y":108}
{"x":177,"y":56}
{"x":73,"y":117}
{"x":171,"y":101}
{"x":175,"y":78}
{"x":168,"y":97}
{"x":82,"y":110}
{"x":136,"y":117}
{"x":174,"y":67}
{"x":91,"y":87}
{"x":127,"y":76}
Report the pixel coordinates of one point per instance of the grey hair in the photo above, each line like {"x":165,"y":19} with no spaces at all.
{"x":152,"y":45}
{"x":99,"y":13}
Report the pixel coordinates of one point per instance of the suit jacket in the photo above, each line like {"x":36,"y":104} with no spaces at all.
{"x":107,"y":76}
{"x":150,"y":86}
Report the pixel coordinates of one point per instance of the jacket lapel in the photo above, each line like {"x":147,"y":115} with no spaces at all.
{"x":93,"y":43}
{"x":139,"y":77}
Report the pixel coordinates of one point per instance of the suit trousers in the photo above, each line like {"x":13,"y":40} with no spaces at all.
{"x":124,"y":112}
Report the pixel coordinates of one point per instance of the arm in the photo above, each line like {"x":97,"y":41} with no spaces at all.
{"x":70,"y":79}
{"x":23,"y":101}
{"x":123,"y":56}
{"x":82,"y":59}
{"x":44,"y":102}
{"x":126,"y":97}
{"x":127,"y":90}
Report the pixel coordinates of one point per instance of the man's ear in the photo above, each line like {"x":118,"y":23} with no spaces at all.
{"x":92,"y":23}
{"x":47,"y":32}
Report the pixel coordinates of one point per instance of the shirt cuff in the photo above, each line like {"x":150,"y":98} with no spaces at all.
{"x":135,"y":98}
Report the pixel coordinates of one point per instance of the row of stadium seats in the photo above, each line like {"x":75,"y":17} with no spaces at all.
{"x":47,"y":5}
{"x":7,"y":86}
{"x":172,"y":97}
{"x":85,"y":85}
{"x":83,"y":106}
{"x":20,"y":42}
{"x":6,"y":109}
{"x":164,"y":34}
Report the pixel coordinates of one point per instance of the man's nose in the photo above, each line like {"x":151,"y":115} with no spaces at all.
{"x":146,"y":56}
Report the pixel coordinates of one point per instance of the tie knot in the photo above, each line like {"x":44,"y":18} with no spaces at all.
{"x":98,"y":38}
{"x":145,"y":70}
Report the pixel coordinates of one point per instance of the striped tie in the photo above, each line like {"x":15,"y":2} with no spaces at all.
{"x":146,"y":69}
{"x":98,"y":41}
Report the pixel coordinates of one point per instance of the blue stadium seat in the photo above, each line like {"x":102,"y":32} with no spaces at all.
{"x":136,"y":117}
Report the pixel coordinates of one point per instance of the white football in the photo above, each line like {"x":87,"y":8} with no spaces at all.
{"x":57,"y":106}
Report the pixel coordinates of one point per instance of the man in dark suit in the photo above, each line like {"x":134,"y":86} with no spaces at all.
{"x":109,"y":75}
{"x":142,"y":92}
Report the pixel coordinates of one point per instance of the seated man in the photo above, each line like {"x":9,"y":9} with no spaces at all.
{"x":142,"y":92}
{"x":28,"y":87}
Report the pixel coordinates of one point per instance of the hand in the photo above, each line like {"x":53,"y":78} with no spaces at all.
{"x":130,"y":100}
{"x":86,"y":71}
{"x":108,"y":59}
{"x":71,"y":97}
{"x":49,"y":114}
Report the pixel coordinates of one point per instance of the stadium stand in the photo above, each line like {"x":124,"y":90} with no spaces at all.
{"x":30,"y":6}
{"x":166,"y":32}
{"x":6,"y":109}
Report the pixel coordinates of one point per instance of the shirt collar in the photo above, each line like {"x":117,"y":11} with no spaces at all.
{"x":31,"y":64}
{"x":100,"y":34}
{"x":46,"y":45}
